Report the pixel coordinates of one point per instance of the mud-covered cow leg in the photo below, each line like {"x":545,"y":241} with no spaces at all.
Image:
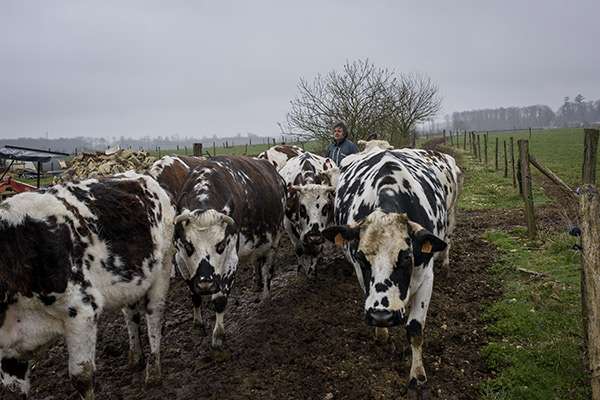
{"x":80,"y":338}
{"x":220,"y":302}
{"x":199,"y":323}
{"x":419,"y":304}
{"x":14,"y":375}
{"x":155,"y":306}
{"x":133,"y":318}
{"x":258,"y":277}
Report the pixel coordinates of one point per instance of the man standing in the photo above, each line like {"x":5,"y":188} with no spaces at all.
{"x":341,"y":146}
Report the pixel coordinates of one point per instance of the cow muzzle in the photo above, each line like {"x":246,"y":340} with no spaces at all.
{"x":313,"y":238}
{"x":384,"y":318}
{"x":203,"y":285}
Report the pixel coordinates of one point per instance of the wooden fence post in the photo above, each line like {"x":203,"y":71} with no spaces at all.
{"x":197,"y":150}
{"x":479,"y":147}
{"x":485,"y":148}
{"x":496,"y":163}
{"x":214,"y":149}
{"x":590,"y":155}
{"x":527,"y":189}
{"x":589,"y":213}
{"x":505,"y":160}
{"x":444,"y":135}
{"x":465,"y":141}
{"x":512,"y":161}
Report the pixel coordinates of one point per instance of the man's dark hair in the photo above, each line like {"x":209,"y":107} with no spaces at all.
{"x":344,"y":128}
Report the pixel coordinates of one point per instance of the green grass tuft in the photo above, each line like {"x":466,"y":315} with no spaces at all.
{"x":536,"y":327}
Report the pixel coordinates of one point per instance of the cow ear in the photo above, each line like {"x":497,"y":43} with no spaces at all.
{"x":340,"y":234}
{"x":427,"y":243}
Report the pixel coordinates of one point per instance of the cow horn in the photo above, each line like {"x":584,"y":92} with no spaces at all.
{"x":182,"y":218}
{"x":227,"y":219}
{"x":297,"y":188}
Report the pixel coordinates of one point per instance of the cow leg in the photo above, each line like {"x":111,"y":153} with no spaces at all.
{"x":220,"y":302}
{"x":133,"y":318}
{"x":258,"y":279}
{"x":266,"y":263}
{"x":80,"y":338}
{"x":155,"y":306}
{"x":199,"y":323}
{"x":419,"y":305}
{"x":14,"y":375}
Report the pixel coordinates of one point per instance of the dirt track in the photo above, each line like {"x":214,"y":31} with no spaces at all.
{"x":308,"y":342}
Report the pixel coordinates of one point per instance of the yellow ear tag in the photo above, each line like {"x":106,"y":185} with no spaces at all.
{"x":426,"y":247}
{"x":339,"y":240}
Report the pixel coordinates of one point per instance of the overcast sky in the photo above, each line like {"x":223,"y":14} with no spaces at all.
{"x":198,"y":68}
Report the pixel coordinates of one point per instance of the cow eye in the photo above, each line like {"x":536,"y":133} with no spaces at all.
{"x":404,"y":258}
{"x":221,"y":247}
{"x":189,"y":249}
{"x":362,"y":258}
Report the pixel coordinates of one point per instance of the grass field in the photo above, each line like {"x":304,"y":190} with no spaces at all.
{"x":536,"y":327}
{"x":561,"y":150}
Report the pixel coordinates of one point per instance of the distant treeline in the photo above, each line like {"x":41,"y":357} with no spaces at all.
{"x":575,"y":113}
{"x":79,"y":144}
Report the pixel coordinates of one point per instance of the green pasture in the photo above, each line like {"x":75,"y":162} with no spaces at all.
{"x":535,"y":328}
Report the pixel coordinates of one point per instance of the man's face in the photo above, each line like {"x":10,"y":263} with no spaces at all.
{"x":338,"y":133}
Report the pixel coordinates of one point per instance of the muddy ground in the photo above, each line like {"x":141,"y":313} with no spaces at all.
{"x":308,"y":342}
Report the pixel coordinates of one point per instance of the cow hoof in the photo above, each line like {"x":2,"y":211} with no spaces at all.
{"x":135,"y":360}
{"x":265,"y":297}
{"x":382,"y":334}
{"x":220,"y":355}
{"x":14,"y":395}
{"x":153,"y":374}
{"x":200,"y":328}
{"x":218,"y":340}
{"x":417,"y":392}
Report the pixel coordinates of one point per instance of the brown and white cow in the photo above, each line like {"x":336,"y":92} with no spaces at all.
{"x":310,"y":181}
{"x":279,"y":155}
{"x":231,"y":210}
{"x":73,"y":251}
{"x":395,"y":211}
{"x":172,"y":172}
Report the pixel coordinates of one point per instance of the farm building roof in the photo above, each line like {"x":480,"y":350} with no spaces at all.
{"x":25,"y":154}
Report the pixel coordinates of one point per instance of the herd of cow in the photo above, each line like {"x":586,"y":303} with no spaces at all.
{"x":71,"y":251}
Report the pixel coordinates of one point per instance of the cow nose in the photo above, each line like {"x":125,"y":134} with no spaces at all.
{"x":381,"y":318}
{"x":205,"y":284}
{"x":314,"y":237}
{"x":299,"y":249}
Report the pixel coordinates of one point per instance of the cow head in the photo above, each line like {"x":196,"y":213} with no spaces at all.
{"x":206,"y":257}
{"x":312,"y":205}
{"x":388,"y":247}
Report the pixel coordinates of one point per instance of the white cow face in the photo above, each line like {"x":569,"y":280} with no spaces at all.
{"x":314,"y":205}
{"x":206,"y":255}
{"x":387,"y":246}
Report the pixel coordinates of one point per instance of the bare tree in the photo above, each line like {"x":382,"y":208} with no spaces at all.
{"x":416,"y":99}
{"x":367,"y":98}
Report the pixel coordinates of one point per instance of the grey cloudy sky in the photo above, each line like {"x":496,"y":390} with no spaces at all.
{"x":198,"y":68}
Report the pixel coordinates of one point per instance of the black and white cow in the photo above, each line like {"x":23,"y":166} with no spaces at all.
{"x":310,"y":183}
{"x":72,"y":251}
{"x":280,"y":154}
{"x":395,"y":210}
{"x":230,"y":210}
